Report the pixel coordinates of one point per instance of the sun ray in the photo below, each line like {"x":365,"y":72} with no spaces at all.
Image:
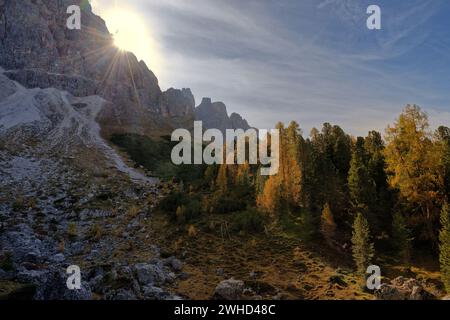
{"x":130,"y":32}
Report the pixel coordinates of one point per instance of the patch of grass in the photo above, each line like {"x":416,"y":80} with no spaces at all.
{"x":72,"y":231}
{"x":6,"y":262}
{"x":19,"y":204}
{"x":95,"y":232}
{"x":133,"y":211}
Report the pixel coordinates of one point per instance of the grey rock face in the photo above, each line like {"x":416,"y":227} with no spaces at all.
{"x":230,"y":289}
{"x":214,"y":115}
{"x":55,"y":288}
{"x":38,"y":50}
{"x":178,"y":103}
{"x":24,"y":246}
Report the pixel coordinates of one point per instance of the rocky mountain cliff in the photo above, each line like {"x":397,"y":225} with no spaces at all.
{"x":67,"y":196}
{"x":215,"y":116}
{"x":38,"y":50}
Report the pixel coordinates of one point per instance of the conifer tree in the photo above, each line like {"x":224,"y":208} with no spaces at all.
{"x":328,"y":226}
{"x":401,"y":237}
{"x":308,"y":227}
{"x":360,"y":185}
{"x":443,"y":137}
{"x":444,"y":246}
{"x":362,"y":247}
{"x":222,"y":179}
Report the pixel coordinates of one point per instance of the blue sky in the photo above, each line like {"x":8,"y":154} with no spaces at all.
{"x":312,"y":61}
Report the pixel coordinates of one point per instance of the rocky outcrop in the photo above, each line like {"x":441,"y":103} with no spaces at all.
{"x":238,"y":122}
{"x":178,"y":103}
{"x":230,"y":289}
{"x":403,"y":289}
{"x":214,"y":115}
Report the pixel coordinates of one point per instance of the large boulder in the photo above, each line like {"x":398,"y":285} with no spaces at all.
{"x":149,"y":274}
{"x":230,"y":289}
{"x":55,"y":288}
{"x":403,"y":289}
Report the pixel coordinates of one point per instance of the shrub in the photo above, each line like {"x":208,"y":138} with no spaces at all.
{"x":181,"y":208}
{"x":192,"y":231}
{"x":6,"y":262}
{"x":249,"y":221}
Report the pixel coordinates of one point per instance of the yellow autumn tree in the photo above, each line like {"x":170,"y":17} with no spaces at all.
{"x":413,"y":164}
{"x":269,"y":199}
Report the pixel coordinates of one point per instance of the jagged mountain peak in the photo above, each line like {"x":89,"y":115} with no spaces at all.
{"x":215,"y":116}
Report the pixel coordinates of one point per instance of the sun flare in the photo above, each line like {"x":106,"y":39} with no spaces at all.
{"x":131,"y":33}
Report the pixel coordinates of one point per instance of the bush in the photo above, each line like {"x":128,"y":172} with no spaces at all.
{"x":192,"y":231}
{"x":172,"y":202}
{"x":249,"y":221}
{"x":181,"y":208}
{"x":222,"y":204}
{"x":19,"y":204}
{"x":72,"y":230}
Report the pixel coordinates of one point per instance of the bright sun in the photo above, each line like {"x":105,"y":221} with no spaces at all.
{"x":131,"y":34}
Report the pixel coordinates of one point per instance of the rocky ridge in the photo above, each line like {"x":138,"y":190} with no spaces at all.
{"x":214,"y":115}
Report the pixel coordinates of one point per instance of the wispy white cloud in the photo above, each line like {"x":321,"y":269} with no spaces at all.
{"x":268,"y":66}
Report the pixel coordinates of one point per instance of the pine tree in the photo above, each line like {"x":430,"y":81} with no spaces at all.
{"x":308,"y":226}
{"x":401,"y":238}
{"x":360,"y":185}
{"x":443,"y":137}
{"x":222,"y":179}
{"x":362,"y":247}
{"x":382,"y":201}
{"x":328,"y":226}
{"x":444,"y":247}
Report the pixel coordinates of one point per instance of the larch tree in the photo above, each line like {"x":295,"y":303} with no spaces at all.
{"x":413,"y":164}
{"x":269,"y":199}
